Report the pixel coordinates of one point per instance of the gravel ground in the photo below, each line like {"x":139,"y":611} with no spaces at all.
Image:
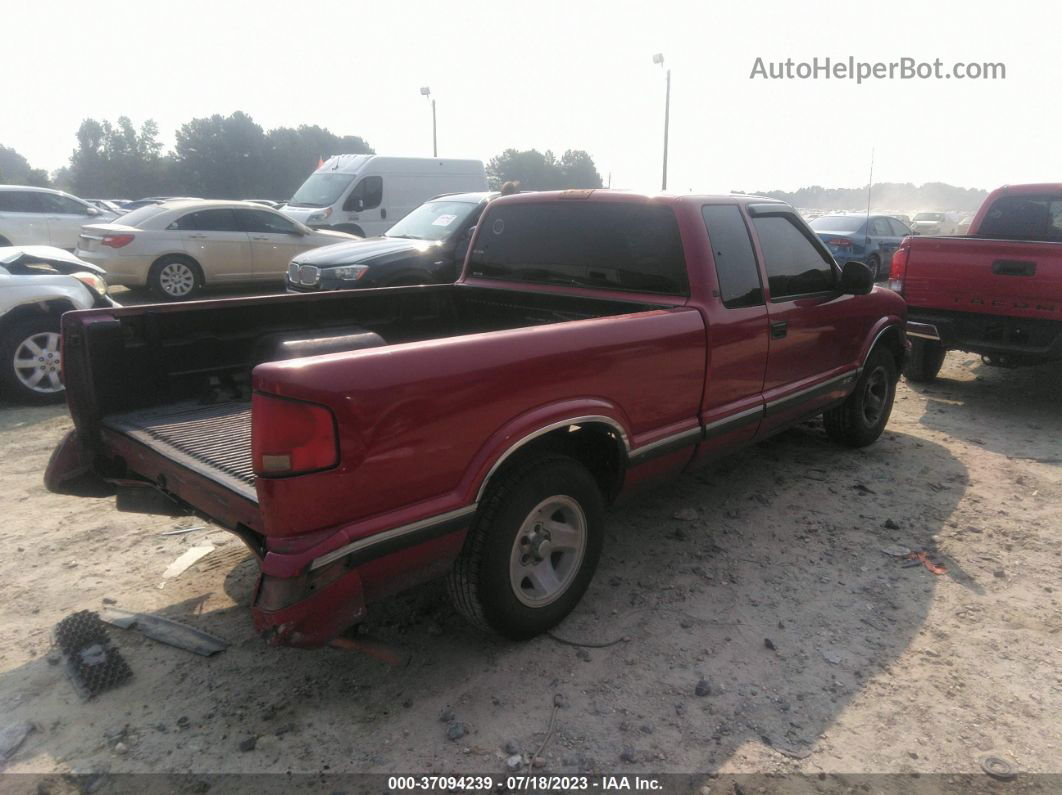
{"x":744,"y":619}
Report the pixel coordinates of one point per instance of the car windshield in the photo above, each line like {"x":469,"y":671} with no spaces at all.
{"x":608,"y":245}
{"x":322,"y":189}
{"x":838,"y":223}
{"x":929,"y":217}
{"x":436,"y":220}
{"x":140,"y":214}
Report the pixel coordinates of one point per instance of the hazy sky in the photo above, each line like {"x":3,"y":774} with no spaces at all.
{"x":562,"y":75}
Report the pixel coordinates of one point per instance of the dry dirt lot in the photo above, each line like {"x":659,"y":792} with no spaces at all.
{"x":761,"y":578}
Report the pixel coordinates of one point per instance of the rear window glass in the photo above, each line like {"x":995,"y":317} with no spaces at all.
{"x":838,"y":223}
{"x":613,"y":246}
{"x":138,"y":216}
{"x":1024,"y":218}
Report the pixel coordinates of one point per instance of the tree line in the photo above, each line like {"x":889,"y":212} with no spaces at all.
{"x":233,"y":157}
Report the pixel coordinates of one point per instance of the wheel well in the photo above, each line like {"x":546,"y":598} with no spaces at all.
{"x":891,"y":340}
{"x":190,"y":260}
{"x":595,"y":445}
{"x":53,"y":308}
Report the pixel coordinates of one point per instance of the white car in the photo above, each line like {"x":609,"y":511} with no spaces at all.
{"x":44,"y":217}
{"x":178,"y":247}
{"x":38,"y":284}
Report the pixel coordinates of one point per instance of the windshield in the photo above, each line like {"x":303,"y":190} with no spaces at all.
{"x":433,"y":220}
{"x":612,"y":246}
{"x":929,"y":217}
{"x":838,"y":223}
{"x":322,"y":189}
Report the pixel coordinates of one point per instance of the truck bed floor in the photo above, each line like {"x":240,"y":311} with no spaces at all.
{"x":214,"y":440}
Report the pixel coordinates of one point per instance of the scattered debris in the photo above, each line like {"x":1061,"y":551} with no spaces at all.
{"x":999,"y":574}
{"x":703,"y":688}
{"x":999,"y":768}
{"x":11,"y":738}
{"x":560,"y":700}
{"x":832,"y":657}
{"x":166,"y":630}
{"x":248,"y":744}
{"x":769,"y":644}
{"x":455,"y":731}
{"x":180,"y":531}
{"x":791,"y":752}
{"x":891,"y":525}
{"x":863,"y":489}
{"x":628,"y":754}
{"x":923,"y":557}
{"x":92,"y":664}
{"x":896,"y":551}
{"x":686,"y":515}
{"x":447,"y":715}
{"x":514,"y":763}
{"x":186,"y":560}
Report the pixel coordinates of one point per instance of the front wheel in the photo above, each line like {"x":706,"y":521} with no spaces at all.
{"x":925,"y":361}
{"x":32,"y":361}
{"x":532,"y":548}
{"x":860,"y":420}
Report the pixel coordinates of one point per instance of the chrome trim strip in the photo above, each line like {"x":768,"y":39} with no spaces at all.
{"x":547,"y":429}
{"x":646,"y":449}
{"x":711,"y":426}
{"x":387,"y":535}
{"x":819,"y":387}
{"x":877,"y":337}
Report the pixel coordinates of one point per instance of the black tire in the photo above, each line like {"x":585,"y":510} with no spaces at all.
{"x":860,"y":420}
{"x":175,"y":278}
{"x":482,"y":585}
{"x":43,"y":364}
{"x":874,"y":263}
{"x":925,"y":361}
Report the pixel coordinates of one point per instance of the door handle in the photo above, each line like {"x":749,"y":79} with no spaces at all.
{"x":259,"y":238}
{"x":383,"y":213}
{"x":197,"y":237}
{"x":779,"y":329}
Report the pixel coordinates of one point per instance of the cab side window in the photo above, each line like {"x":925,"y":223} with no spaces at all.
{"x":208,"y":221}
{"x":369,"y":190}
{"x":794,"y":265}
{"x":19,"y":201}
{"x":735,"y":261}
{"x":61,"y":205}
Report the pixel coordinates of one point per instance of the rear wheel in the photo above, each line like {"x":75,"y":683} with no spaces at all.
{"x":532,"y":548}
{"x":874,"y":263}
{"x":860,"y":420}
{"x":32,"y":361}
{"x":925,"y":361}
{"x":175,"y":278}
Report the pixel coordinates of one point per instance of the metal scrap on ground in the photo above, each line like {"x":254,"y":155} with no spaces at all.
{"x":166,"y":630}
{"x":186,"y":560}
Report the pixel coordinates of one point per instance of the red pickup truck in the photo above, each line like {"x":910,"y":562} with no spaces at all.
{"x":364,"y":441}
{"x":997,"y":291}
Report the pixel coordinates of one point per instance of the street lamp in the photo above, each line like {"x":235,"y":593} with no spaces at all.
{"x":659,"y":58}
{"x":426,"y":91}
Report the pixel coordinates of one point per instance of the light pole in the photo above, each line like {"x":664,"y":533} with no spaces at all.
{"x":426,"y":91}
{"x":659,"y":58}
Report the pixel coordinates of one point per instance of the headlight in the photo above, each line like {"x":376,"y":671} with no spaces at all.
{"x":92,"y":281}
{"x":319,"y":216}
{"x":350,"y":273}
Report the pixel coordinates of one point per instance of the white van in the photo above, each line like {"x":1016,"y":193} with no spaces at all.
{"x":367,"y":194}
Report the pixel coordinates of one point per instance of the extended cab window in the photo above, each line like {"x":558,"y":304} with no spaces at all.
{"x":794,"y":266}
{"x":735,"y":262}
{"x":613,"y":246}
{"x":1024,"y":218}
{"x":208,"y":221}
{"x":369,"y":190}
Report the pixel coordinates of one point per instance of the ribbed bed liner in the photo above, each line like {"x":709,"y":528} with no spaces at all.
{"x":214,"y":440}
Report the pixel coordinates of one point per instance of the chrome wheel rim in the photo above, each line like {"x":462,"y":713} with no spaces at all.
{"x":548,"y":551}
{"x":875,"y":395}
{"x":38,"y":363}
{"x":176,"y":279}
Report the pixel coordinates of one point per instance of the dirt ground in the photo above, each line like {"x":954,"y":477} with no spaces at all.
{"x":762,"y":579}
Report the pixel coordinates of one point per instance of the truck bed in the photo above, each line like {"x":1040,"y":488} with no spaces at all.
{"x":213,"y":440}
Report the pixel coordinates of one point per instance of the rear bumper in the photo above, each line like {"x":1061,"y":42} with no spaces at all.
{"x":125,"y":271}
{"x":1021,"y":340}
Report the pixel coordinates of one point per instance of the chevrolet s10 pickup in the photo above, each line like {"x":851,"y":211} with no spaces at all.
{"x":361,"y":442}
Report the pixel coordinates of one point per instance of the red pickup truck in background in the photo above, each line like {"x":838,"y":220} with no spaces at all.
{"x":996,"y":292}
{"x":361,"y":442}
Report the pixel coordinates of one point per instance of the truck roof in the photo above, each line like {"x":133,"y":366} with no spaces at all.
{"x":607,"y":194}
{"x":1033,"y":187}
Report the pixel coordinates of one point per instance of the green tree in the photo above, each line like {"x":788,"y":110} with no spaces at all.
{"x":117,"y":161}
{"x":16,"y":170}
{"x":294,"y":153}
{"x":535,"y":170}
{"x":223,"y":157}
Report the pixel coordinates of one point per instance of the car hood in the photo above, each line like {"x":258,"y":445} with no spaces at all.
{"x":21,"y":259}
{"x":366,"y":251}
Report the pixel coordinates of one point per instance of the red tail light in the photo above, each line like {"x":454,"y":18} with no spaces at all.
{"x":898,"y":269}
{"x":290,"y":437}
{"x":117,"y":241}
{"x":839,"y":242}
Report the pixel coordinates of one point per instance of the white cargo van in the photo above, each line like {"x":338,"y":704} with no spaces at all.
{"x":367,"y":194}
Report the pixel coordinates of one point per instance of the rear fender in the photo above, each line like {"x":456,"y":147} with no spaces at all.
{"x":528,"y":427}
{"x":70,"y":471}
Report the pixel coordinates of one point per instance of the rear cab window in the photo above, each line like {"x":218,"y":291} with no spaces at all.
{"x":1037,"y":218}
{"x":607,"y":245}
{"x":735,"y":261}
{"x":795,"y":265}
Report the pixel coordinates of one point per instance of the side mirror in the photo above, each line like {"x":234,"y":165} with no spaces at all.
{"x":856,"y":279}
{"x":93,"y":211}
